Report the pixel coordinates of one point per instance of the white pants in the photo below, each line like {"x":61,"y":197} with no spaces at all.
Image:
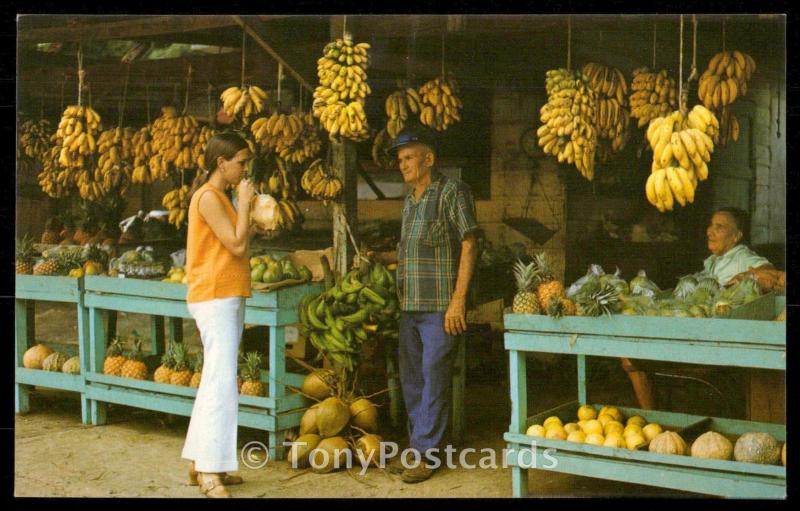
{"x":213,"y":428}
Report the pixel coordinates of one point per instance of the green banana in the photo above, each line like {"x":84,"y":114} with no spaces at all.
{"x":351,"y":299}
{"x":313,"y":320}
{"x":372,"y":296}
{"x":361,"y":334}
{"x":349,"y":286}
{"x":357,"y":317}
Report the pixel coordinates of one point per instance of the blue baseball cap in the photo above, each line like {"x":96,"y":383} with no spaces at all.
{"x":412,"y":136}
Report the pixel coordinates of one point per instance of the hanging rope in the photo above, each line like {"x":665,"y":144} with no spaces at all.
{"x":723,"y":34}
{"x":655,"y":32}
{"x":442,"y":56}
{"x":208,"y":94}
{"x":147,"y":100}
{"x":63,"y":84}
{"x":280,"y":79}
{"x":693,"y":72}
{"x":124,"y":95}
{"x":681,"y":104}
{"x":244,"y":39}
{"x":81,"y":75}
{"x":188,"y":85}
{"x":175,"y":94}
{"x":569,"y":43}
{"x":41,"y":108}
{"x":344,"y":28}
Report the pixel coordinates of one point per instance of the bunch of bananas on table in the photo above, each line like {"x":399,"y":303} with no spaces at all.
{"x":725,"y":79}
{"x":173,"y":138}
{"x":613,"y":117}
{"x":568,"y":120}
{"x":306,"y":145}
{"x":177,"y":202}
{"x":243,"y":101}
{"x":652,"y":95}
{"x":34,"y":138}
{"x":381,"y":150}
{"x":281,"y":183}
{"x":339,"y":98}
{"x":53,"y":179}
{"x":142,"y":152}
{"x":440,"y":103}
{"x":77,"y":136}
{"x":682,"y":148}
{"x":319,"y":183}
{"x":400,"y":104}
{"x":362,"y":306}
{"x":277,"y":129}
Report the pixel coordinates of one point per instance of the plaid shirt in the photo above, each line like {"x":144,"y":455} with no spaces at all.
{"x":430,"y":243}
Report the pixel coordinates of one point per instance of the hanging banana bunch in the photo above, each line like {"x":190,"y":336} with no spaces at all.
{"x":304,"y":146}
{"x":728,"y":127}
{"x":613,"y":117}
{"x":173,"y":138}
{"x":34,"y":139}
{"x":242,"y":102}
{"x":440,"y":103}
{"x":381,"y":150}
{"x":289,"y":216}
{"x":339,"y":98}
{"x":682,"y":148}
{"x":177,"y":202}
{"x":400,"y":105}
{"x":281,"y":183}
{"x":142,"y":152}
{"x":277,"y":129}
{"x":568,"y":120}
{"x":114,"y":165}
{"x":319,"y":183}
{"x":54,"y":180}
{"x":725,"y":79}
{"x":77,"y":136}
{"x":652,"y":95}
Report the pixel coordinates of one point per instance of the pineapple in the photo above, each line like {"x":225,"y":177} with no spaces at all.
{"x":52,"y":228}
{"x":525,"y":301}
{"x":560,"y":306}
{"x":198,"y":370}
{"x":548,"y":286}
{"x":596,"y":298}
{"x":25,"y":255}
{"x":114,"y":359}
{"x":252,"y":385}
{"x":164,"y":371}
{"x":135,"y":367}
{"x":181,"y":375}
{"x":59,"y":263}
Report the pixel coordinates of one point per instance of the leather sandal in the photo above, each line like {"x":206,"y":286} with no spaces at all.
{"x":227,"y":479}
{"x":213,"y":488}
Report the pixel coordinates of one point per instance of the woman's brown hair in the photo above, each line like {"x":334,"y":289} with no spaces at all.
{"x":225,"y":145}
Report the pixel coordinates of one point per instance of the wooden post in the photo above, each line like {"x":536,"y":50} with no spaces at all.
{"x":345,"y":167}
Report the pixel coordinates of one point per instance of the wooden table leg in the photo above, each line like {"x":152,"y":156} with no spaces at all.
{"x":24,"y":318}
{"x":518,"y":379}
{"x":97,"y":348}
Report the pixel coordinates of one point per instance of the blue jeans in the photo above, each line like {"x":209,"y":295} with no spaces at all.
{"x":426,"y":356}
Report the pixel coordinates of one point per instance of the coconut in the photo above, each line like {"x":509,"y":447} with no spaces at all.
{"x":300,"y":449}
{"x":332,"y":416}
{"x":368,"y":447}
{"x":365,"y":414}
{"x":337,"y":451}
{"x":308,"y":424}
{"x":319,"y":384}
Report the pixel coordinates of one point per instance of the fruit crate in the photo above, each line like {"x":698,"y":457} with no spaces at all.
{"x":279,"y":411}
{"x":711,"y":341}
{"x":30,"y":289}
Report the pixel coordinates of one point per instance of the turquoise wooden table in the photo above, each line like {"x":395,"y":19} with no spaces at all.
{"x":279,"y":411}
{"x":30,"y":289}
{"x":722,"y":342}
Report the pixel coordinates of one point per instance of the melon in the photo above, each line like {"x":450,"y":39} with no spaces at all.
{"x":54,"y":362}
{"x":761,"y":448}
{"x":34,"y":356}
{"x":668,"y":442}
{"x":713,"y":446}
{"x":72,"y":366}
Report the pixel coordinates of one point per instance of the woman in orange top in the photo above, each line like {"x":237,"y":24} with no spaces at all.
{"x":217,"y":255}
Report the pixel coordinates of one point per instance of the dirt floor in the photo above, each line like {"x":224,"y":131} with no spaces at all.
{"x":137,"y":454}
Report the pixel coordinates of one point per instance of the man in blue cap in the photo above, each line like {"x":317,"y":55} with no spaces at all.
{"x":436,"y":258}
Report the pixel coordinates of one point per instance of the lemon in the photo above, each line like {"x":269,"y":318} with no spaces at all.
{"x":570,"y":427}
{"x":582,"y":424}
{"x":556,"y":433}
{"x":613,"y":426}
{"x":593,"y":427}
{"x":633,"y":429}
{"x":605,"y":418}
{"x":633,"y":441}
{"x":651,"y":430}
{"x":552,"y":420}
{"x":535,"y":430}
{"x":594,"y":439}
{"x":587,"y":412}
{"x":638,"y":420}
{"x":577,"y":436}
{"x":612,"y":411}
{"x":615,"y":440}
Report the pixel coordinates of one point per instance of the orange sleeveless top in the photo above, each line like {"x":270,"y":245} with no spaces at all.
{"x":212,"y":270}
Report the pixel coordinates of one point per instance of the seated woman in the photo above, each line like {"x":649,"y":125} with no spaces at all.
{"x":730,"y":261}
